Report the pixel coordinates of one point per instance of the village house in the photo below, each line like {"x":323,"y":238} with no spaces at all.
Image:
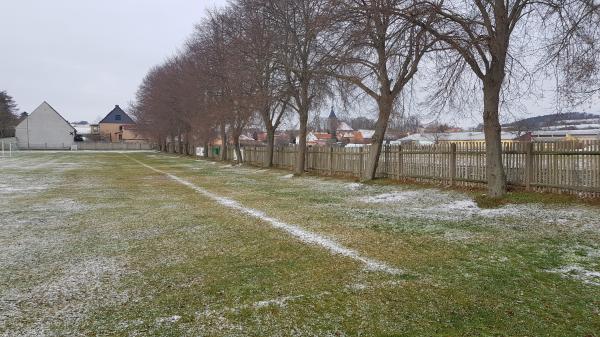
{"x":44,"y":128}
{"x":565,"y":135}
{"x":317,"y":138}
{"x":455,"y":137}
{"x":117,"y":127}
{"x":281,"y":138}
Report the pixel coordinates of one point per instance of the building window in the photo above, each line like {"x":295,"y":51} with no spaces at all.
{"x":117,"y":117}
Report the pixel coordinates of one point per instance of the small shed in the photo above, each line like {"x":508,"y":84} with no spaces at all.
{"x":44,"y":128}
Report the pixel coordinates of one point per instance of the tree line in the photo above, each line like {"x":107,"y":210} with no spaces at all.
{"x":259,"y":60}
{"x":9,"y":116}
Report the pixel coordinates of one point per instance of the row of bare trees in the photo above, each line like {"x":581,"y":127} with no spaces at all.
{"x":258,"y":60}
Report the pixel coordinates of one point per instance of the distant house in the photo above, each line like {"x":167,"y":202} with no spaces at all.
{"x":44,"y":128}
{"x":454,"y":137}
{"x":364,"y":136}
{"x":281,"y":138}
{"x":117,"y":127}
{"x":317,"y":138}
{"x":82,"y":128}
{"x":560,"y":135}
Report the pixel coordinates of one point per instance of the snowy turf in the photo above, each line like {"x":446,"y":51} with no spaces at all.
{"x":302,"y":234}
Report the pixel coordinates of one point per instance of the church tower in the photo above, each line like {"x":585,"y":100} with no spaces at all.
{"x":332,"y":123}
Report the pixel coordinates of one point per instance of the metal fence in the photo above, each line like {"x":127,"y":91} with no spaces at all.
{"x":560,"y":167}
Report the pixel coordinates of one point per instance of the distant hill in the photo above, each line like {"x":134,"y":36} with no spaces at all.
{"x":560,"y":121}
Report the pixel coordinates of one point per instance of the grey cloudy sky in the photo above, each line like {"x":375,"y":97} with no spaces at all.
{"x":85,"y":56}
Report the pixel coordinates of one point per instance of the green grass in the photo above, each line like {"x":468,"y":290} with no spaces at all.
{"x":522,"y":197}
{"x":106,"y":246}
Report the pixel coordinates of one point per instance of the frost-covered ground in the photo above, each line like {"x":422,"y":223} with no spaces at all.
{"x":105,"y":243}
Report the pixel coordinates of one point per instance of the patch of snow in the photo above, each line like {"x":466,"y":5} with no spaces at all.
{"x":281,"y":301}
{"x":301,"y":234}
{"x":358,"y":286}
{"x":171,"y":319}
{"x":578,"y":273}
{"x":5,"y":189}
{"x":457,"y":235}
{"x":461,"y":205}
{"x":287,"y":176}
{"x":354,"y":186}
{"x":392,"y":197}
{"x":66,"y":299}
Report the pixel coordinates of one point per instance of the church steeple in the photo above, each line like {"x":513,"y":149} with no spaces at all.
{"x":332,"y":124}
{"x":332,"y":114}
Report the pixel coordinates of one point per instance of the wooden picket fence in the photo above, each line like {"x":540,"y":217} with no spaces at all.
{"x":559,"y":167}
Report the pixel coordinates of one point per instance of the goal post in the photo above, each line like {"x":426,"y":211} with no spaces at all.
{"x":7,"y":148}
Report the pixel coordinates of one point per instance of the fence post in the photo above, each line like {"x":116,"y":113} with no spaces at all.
{"x":452,"y":163}
{"x":528,"y":165}
{"x":400,"y":163}
{"x":331,"y":160}
{"x":360,"y":161}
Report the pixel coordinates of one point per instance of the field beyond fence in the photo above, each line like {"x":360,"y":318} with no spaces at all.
{"x":99,"y":146}
{"x":559,"y":167}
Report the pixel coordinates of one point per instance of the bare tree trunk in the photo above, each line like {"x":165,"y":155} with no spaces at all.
{"x":179,"y":143}
{"x":238,"y":150}
{"x":187,"y":144}
{"x":496,"y":178}
{"x":223,"y":154}
{"x":301,"y":153}
{"x":270,"y":147}
{"x":385,"y":109}
{"x":206,"y":148}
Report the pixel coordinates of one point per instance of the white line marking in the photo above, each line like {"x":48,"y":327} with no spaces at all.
{"x":301,"y":234}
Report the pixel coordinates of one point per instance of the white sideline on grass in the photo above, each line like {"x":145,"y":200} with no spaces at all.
{"x":302,"y":234}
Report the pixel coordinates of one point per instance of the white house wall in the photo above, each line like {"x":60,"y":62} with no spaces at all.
{"x":44,"y":128}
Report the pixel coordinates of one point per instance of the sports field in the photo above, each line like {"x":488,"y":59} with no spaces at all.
{"x":148,"y":244}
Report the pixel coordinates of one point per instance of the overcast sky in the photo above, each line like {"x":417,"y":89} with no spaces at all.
{"x":85,"y":56}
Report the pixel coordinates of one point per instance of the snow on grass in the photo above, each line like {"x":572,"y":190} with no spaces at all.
{"x":301,"y":234}
{"x":6,"y":189}
{"x":172,"y":319}
{"x":280,"y":302}
{"x":578,"y":273}
{"x":392,"y":197}
{"x":64,"y":300}
{"x":287,"y":176}
{"x":354,"y":186}
{"x":437,"y":205}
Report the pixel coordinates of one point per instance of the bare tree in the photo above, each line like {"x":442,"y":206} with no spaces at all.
{"x":257,"y":41}
{"x":379,"y":54}
{"x":300,"y":54}
{"x":481,"y":34}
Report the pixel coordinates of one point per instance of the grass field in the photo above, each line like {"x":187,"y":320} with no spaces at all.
{"x":145,"y":244}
